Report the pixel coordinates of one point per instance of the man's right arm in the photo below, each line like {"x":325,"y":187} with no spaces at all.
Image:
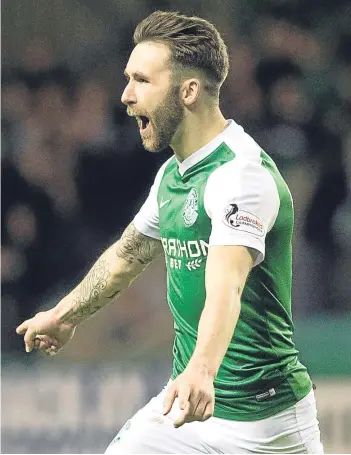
{"x":112,"y":273}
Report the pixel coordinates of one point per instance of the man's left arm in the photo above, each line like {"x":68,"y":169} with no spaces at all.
{"x":227,"y":269}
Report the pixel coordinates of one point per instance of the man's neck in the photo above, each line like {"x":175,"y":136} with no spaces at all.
{"x":196,"y":131}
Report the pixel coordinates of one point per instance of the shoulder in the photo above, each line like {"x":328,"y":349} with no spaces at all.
{"x":241,"y":143}
{"x":246,"y":160}
{"x":242,"y":174}
{"x":244,"y":180}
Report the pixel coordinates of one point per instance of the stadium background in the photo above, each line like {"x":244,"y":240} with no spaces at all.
{"x":74,"y":173}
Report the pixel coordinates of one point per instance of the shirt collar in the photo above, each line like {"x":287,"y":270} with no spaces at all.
{"x":207,"y":149}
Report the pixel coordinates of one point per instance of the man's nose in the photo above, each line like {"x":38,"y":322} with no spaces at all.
{"x":128,"y":95}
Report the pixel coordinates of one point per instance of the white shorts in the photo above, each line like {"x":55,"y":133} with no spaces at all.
{"x":294,"y":430}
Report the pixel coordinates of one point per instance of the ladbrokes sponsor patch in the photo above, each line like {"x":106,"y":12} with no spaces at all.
{"x":243,"y":221}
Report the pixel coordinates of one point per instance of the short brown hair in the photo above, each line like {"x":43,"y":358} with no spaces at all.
{"x":193,"y":42}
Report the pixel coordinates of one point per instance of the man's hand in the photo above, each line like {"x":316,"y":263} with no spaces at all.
{"x":45,"y":333}
{"x":195,"y":392}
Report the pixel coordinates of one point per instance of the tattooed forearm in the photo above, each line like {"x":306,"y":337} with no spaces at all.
{"x":86,"y":297}
{"x":136,"y":247}
{"x":116,"y":269}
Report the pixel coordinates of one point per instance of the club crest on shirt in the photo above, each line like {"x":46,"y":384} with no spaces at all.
{"x":242,"y":220}
{"x":191,"y":208}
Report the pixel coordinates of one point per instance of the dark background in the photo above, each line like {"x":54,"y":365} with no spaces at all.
{"x":74,"y":172}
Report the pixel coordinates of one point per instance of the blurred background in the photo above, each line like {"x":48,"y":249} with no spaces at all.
{"x":74,"y":173}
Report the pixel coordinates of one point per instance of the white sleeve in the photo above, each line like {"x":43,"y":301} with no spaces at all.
{"x":242,"y":200}
{"x":146,"y":220}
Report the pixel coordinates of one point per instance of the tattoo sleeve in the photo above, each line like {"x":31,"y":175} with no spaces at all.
{"x":136,"y":247}
{"x":86,"y":296}
{"x":114,"y":271}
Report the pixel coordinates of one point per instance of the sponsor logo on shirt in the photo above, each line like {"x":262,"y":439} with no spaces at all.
{"x":190,"y":253}
{"x":191,"y":207}
{"x":184,"y":248}
{"x":242,"y":220}
{"x":193,"y":265}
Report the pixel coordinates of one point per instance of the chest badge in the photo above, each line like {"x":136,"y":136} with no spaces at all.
{"x":191,"y":208}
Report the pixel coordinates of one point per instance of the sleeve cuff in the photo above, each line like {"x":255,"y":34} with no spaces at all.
{"x":145,"y":228}
{"x":249,"y":242}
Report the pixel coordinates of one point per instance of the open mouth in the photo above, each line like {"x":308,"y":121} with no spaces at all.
{"x":143,"y":122}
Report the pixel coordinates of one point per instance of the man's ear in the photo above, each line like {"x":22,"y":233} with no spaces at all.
{"x":190,"y":91}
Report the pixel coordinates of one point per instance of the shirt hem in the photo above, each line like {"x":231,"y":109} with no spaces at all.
{"x":264,"y":414}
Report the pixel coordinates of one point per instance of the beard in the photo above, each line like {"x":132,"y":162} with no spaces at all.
{"x":164,"y":122}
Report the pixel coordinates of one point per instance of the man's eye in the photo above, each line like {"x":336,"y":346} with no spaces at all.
{"x":142,"y":80}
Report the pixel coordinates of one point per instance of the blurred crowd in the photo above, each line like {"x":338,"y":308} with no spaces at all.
{"x":74,"y":171}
